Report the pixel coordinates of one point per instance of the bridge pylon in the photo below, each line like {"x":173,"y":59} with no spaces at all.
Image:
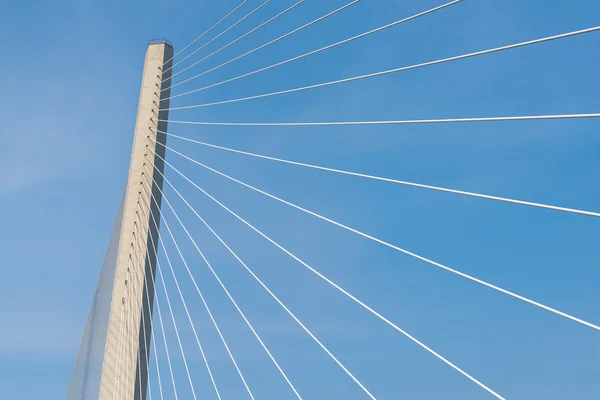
{"x":113,"y":357}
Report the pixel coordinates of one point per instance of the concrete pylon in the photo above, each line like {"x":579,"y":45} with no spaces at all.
{"x":133,"y":289}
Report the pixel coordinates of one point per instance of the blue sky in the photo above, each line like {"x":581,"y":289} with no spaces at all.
{"x":72,"y":71}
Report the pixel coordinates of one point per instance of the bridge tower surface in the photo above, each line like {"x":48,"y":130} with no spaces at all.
{"x":116,"y":341}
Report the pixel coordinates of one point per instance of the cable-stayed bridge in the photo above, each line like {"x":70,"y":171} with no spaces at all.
{"x":153,"y":326}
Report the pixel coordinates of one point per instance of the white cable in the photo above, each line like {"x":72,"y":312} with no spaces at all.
{"x":117,"y":367}
{"x":265,"y":45}
{"x":391,"y":122}
{"x":157,"y":367}
{"x":203,"y":301}
{"x":148,"y":353}
{"x":339,"y":288}
{"x":132,"y":330}
{"x":129,"y":336}
{"x":155,"y":247}
{"x":209,"y":29}
{"x":390,"y":71}
{"x":162,"y":328}
{"x":162,"y":279}
{"x":122,"y":355}
{"x":139,"y":301}
{"x":319,"y":50}
{"x":396,"y":181}
{"x":339,"y":363}
{"x":414,"y":255}
{"x":142,"y":267}
{"x":218,"y":36}
{"x":137,"y":233}
{"x":212,"y":379}
{"x":238,"y":39}
{"x":152,"y":338}
{"x":226,"y":292}
{"x":123,"y":382}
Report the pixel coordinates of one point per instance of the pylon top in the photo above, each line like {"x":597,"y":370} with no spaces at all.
{"x":160,"y":41}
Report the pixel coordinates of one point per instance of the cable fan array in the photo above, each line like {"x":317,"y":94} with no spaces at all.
{"x":167,"y":384}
